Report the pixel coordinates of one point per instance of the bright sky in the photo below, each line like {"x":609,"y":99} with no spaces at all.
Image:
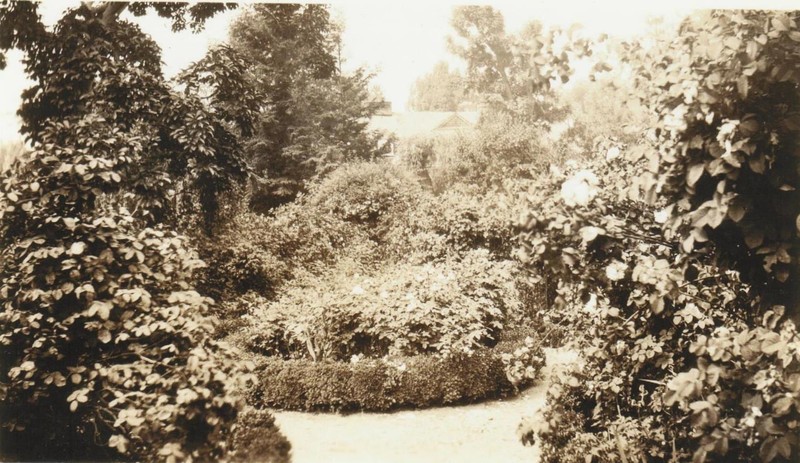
{"x":398,"y":40}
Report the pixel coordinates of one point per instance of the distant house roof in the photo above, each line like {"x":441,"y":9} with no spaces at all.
{"x":412,"y":124}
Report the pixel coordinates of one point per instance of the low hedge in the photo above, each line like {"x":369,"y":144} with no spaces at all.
{"x":378,"y":385}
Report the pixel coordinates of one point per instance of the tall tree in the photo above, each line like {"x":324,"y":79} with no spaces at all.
{"x":286,"y":42}
{"x":439,"y":90}
{"x":513,"y":73}
{"x":315,"y":116}
{"x":483,"y":43}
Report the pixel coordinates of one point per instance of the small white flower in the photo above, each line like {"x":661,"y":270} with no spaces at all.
{"x":689,"y":92}
{"x":616,"y":270}
{"x":750,"y":418}
{"x":591,"y":305}
{"x":579,"y":189}
{"x":357,"y":290}
{"x":661,"y":216}
{"x":613,"y":153}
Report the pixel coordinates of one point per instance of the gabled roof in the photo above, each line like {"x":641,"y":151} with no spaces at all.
{"x":411,"y":124}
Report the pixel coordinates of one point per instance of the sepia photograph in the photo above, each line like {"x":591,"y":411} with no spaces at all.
{"x":400,"y":231}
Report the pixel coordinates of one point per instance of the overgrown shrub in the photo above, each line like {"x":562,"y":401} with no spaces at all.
{"x":452,"y":223}
{"x":237,"y":266}
{"x":106,"y":346}
{"x":366,"y":194}
{"x":455,"y":305}
{"x":500,"y":148}
{"x":693,"y":349}
{"x":261,"y":253}
{"x":104,"y":340}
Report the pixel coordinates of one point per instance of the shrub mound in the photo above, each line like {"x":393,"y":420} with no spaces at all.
{"x":380,"y":385}
{"x":403,"y":310}
{"x":257,"y":439}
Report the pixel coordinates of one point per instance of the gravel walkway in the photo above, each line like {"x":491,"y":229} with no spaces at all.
{"x":480,"y":433}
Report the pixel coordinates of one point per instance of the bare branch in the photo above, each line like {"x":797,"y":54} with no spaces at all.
{"x":112,"y":12}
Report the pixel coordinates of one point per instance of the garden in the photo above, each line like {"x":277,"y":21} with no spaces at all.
{"x":183,"y":259}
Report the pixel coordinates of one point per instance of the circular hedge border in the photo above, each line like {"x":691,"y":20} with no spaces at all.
{"x":376,"y":385}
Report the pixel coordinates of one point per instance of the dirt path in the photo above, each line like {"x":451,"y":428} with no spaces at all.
{"x":480,"y":433}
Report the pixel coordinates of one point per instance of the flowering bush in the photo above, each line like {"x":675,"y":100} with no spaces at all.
{"x":691,"y":352}
{"x":259,"y":253}
{"x":106,"y":346}
{"x":580,"y":188}
{"x":455,"y":305}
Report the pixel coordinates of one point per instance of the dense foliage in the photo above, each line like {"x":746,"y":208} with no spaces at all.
{"x":373,"y":196}
{"x":685,"y":280}
{"x":668,"y":257}
{"x":390,"y":383}
{"x":456,"y":305}
{"x":315,"y":116}
{"x":256,"y":438}
{"x":503,"y":148}
{"x":454,"y":222}
{"x":371,"y":266}
{"x":106,"y":346}
{"x":381,"y":384}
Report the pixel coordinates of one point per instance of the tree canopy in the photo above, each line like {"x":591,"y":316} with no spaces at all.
{"x":315,"y":116}
{"x":442,"y":89}
{"x":514,"y":72}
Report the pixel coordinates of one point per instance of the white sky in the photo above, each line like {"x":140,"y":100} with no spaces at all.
{"x":398,"y":40}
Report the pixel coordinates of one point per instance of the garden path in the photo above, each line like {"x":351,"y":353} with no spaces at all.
{"x":480,"y":433}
